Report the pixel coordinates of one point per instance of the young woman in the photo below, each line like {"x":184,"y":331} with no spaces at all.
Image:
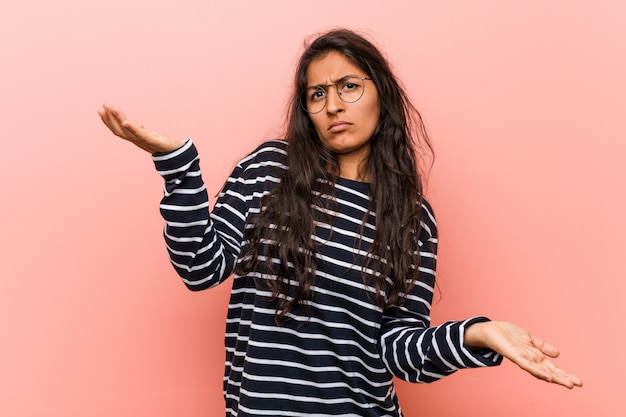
{"x":332,"y":246}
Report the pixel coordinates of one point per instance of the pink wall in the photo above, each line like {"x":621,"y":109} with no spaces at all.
{"x":525,"y":102}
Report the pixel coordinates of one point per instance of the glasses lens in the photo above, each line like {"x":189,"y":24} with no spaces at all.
{"x":351,"y":89}
{"x":315,"y":99}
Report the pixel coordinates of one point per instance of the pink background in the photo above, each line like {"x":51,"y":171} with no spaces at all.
{"x":525,"y":102}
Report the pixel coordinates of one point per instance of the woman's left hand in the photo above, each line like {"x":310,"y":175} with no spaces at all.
{"x":522,"y":348}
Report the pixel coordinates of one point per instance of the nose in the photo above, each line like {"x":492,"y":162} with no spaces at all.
{"x":334,"y":104}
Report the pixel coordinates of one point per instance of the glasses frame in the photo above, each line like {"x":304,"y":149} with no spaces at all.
{"x":302,"y":97}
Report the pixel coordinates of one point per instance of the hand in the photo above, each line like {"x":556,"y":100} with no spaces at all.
{"x":522,"y":348}
{"x":134,"y":132}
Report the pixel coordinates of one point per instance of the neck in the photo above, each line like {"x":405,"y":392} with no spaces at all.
{"x":353,"y":169}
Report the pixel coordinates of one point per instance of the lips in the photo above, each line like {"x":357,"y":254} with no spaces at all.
{"x":338,"y":126}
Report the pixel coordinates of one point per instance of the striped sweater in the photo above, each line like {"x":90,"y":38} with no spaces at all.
{"x":339,"y":357}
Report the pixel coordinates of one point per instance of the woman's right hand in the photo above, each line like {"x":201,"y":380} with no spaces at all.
{"x":135,"y":133}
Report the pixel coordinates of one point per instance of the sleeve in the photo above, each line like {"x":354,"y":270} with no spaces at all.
{"x":411,"y":349}
{"x":203,"y":246}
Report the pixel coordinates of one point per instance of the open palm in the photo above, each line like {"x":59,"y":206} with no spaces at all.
{"x":527,"y":351}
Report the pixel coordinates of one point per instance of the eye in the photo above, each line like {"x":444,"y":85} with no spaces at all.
{"x":316,"y":94}
{"x":350,"y":85}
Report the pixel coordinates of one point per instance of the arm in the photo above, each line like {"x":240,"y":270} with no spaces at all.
{"x":202,"y":251}
{"x":411,"y":348}
{"x":202,"y":248}
{"x":416,"y":352}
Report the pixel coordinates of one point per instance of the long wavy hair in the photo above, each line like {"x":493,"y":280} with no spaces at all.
{"x":395,"y":189}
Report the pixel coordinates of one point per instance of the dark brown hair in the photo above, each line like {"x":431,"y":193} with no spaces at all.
{"x":395,"y":187}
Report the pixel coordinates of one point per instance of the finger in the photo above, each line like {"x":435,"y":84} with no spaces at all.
{"x":115,"y":112}
{"x":111,"y":124}
{"x":562,"y":377}
{"x":545,"y":347}
{"x":549,"y":372}
{"x":576,"y":380}
{"x":111,"y":118}
{"x":135,"y":129}
{"x":567,"y":380}
{"x":129,"y":130}
{"x":141,"y":136}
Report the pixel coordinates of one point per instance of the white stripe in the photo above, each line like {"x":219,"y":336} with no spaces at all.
{"x":175,"y":153}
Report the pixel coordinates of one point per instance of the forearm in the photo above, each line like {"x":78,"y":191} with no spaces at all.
{"x":429,"y":354}
{"x":194,"y":246}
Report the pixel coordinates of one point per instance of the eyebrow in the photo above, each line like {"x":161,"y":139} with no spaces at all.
{"x":335,"y":81}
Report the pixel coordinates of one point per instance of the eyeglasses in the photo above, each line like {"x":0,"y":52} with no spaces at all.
{"x":349,"y":89}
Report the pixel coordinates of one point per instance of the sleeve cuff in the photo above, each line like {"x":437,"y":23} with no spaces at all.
{"x":168,"y":163}
{"x":480,"y":357}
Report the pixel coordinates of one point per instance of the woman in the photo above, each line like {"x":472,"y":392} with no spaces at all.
{"x":333,"y":247}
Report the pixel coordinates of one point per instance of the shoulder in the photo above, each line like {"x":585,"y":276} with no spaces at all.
{"x":269,"y":152}
{"x":267,"y":162}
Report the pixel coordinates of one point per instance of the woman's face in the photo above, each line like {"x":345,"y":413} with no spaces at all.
{"x":344,"y":128}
